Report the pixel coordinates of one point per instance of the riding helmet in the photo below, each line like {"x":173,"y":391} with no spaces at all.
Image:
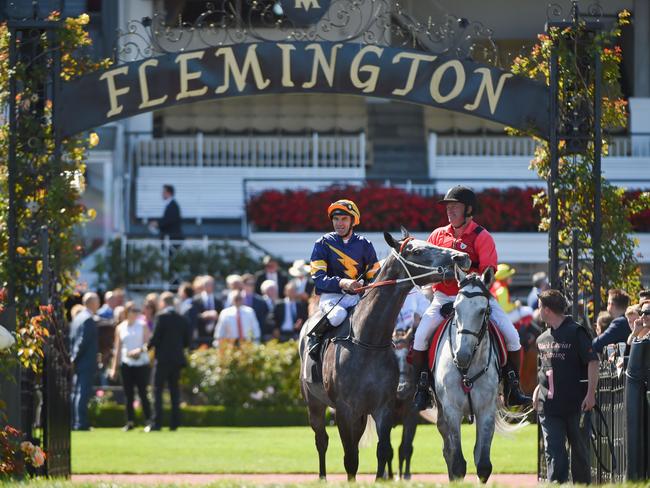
{"x":461,"y":194}
{"x":345,"y":207}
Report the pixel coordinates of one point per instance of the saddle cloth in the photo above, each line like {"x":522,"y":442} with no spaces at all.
{"x":495,"y":335}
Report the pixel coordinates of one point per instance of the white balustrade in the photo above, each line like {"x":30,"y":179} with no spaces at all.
{"x":253,"y":151}
{"x":459,"y":145}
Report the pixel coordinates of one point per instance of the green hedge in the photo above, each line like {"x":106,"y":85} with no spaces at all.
{"x":114,"y":415}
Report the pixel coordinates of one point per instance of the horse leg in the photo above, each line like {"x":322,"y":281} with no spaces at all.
{"x":317,"y":422}
{"x":350,"y":431}
{"x":406,"y":447}
{"x":484,"y":434}
{"x":384,"y":421}
{"x":449,"y":427}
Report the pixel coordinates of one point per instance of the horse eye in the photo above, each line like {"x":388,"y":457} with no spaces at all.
{"x":417,"y":251}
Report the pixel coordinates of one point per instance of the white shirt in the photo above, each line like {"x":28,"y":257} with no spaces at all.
{"x":227,"y":325}
{"x":132,"y":337}
{"x":415,"y":304}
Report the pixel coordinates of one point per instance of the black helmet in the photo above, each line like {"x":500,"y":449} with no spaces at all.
{"x":461,"y":194}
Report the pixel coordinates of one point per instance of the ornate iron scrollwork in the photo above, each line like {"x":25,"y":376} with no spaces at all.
{"x":374,"y":22}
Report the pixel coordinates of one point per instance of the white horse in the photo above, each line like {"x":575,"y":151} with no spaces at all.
{"x":466,"y":376}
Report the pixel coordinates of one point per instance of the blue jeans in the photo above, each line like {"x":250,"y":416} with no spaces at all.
{"x":556,"y":430}
{"x":82,"y":386}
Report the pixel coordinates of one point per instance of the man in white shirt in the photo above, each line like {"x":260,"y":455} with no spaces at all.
{"x":237,"y":323}
{"x":411,"y":313}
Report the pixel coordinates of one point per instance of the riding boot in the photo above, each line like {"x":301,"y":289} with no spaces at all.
{"x":511,"y":388}
{"x":316,"y":337}
{"x":422,"y":399}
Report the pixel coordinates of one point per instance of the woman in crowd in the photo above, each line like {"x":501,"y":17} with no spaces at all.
{"x":131,"y":337}
{"x":149,"y":313}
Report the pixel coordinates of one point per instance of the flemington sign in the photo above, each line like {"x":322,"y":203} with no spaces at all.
{"x":365,"y":60}
{"x":302,"y":67}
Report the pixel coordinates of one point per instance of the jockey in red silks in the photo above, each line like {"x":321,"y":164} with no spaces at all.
{"x":463,"y":234}
{"x":338,"y":260}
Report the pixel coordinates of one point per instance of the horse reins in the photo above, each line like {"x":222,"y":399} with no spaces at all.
{"x":467,"y":383}
{"x":431,"y":270}
{"x":398,"y":255}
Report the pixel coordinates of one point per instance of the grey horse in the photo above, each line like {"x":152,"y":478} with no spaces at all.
{"x":465,"y":362}
{"x":359,"y":369}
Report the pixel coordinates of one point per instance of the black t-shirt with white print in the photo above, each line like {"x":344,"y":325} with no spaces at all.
{"x":564,"y":353}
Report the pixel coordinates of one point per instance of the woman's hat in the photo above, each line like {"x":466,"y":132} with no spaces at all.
{"x":299,"y":268}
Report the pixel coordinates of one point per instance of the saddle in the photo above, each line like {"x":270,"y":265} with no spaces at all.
{"x":497,"y":339}
{"x":313,"y":370}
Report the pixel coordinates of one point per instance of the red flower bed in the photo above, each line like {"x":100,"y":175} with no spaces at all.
{"x":501,"y":210}
{"x":385,"y":209}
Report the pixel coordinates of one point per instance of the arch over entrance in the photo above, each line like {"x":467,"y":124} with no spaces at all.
{"x":407,"y":75}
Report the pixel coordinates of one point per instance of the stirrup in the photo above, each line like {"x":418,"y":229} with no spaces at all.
{"x":313,"y":346}
{"x":515,"y":396}
{"x":422,"y":399}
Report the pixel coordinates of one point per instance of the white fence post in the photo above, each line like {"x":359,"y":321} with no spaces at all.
{"x":362,"y":150}
{"x":199,"y":149}
{"x":314,"y":149}
{"x":433,"y":150}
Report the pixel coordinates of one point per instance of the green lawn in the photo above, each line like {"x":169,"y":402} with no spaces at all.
{"x":272,"y":450}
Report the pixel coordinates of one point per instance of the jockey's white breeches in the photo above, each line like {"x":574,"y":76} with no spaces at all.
{"x":519,"y":313}
{"x":432,"y":319}
{"x":336,"y":310}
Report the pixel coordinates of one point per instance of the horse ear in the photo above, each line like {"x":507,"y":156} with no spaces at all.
{"x":405,"y":233}
{"x":390,"y":240}
{"x":460,"y":274}
{"x":488,"y":276}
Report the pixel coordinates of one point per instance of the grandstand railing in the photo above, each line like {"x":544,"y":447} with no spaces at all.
{"x":637,"y":145}
{"x":309,"y":151}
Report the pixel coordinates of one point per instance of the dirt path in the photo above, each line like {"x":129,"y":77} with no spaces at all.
{"x":267,"y":479}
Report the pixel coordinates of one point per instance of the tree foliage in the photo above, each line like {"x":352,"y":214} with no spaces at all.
{"x":575,"y":185}
{"x":48,"y":179}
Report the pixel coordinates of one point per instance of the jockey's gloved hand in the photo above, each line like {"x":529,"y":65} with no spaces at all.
{"x":349,"y":285}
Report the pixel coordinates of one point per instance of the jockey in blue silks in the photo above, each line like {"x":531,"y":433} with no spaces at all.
{"x":338,"y":261}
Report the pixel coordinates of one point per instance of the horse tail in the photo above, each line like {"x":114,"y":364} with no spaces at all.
{"x":507,"y":422}
{"x":369,"y":437}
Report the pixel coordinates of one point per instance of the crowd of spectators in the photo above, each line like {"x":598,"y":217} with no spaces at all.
{"x":116,"y":335}
{"x":205,"y":313}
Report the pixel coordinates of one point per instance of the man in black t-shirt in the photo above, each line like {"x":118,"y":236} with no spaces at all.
{"x":566,"y":390}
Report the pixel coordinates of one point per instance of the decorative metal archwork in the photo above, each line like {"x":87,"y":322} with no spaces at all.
{"x":374,"y":22}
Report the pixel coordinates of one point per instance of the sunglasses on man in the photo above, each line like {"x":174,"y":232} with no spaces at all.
{"x":645,"y":312}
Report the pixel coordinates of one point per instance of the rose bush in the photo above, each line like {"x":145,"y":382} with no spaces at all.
{"x":250,"y":376}
{"x":16,"y":453}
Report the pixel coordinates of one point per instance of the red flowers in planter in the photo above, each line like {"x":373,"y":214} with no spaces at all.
{"x":386,"y":208}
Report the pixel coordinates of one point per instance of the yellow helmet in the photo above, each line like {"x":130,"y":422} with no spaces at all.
{"x":346,"y":207}
{"x":504,"y":271}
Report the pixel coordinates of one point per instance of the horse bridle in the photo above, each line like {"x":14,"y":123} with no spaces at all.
{"x":443,"y":271}
{"x":467,"y":383}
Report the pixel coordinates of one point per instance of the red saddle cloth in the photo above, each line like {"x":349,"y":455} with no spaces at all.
{"x":496,"y":335}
